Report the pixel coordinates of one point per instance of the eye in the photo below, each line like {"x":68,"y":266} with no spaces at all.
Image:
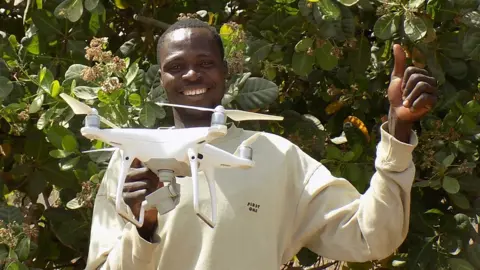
{"x":206,"y":63}
{"x":173,"y":67}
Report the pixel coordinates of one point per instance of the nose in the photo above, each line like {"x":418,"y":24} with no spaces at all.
{"x":191,"y":75}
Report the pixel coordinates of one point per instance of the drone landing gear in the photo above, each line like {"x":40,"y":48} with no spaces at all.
{"x":193,"y":157}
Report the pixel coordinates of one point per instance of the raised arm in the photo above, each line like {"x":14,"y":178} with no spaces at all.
{"x":337,"y":222}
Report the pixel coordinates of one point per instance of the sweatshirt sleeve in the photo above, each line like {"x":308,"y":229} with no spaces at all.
{"x":335,"y":221}
{"x":115,"y":243}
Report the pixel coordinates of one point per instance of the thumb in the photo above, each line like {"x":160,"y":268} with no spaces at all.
{"x":400,"y":58}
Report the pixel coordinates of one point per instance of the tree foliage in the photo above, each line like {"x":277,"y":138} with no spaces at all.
{"x":323,"y":64}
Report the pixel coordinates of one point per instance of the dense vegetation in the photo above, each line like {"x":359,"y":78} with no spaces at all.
{"x":323,"y":64}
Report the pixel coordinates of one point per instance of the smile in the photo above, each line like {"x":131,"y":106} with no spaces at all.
{"x":194,"y":92}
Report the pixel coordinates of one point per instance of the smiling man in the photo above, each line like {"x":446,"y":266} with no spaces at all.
{"x":266,"y":213}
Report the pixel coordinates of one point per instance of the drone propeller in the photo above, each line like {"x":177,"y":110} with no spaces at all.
{"x":235,"y":115}
{"x":82,"y":108}
{"x":101,"y":150}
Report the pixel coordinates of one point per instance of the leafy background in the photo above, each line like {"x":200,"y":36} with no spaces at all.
{"x":323,"y":64}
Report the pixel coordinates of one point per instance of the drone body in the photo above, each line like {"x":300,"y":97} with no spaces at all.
{"x":170,"y":153}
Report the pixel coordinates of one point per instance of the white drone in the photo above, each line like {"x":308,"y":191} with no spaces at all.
{"x":170,"y":153}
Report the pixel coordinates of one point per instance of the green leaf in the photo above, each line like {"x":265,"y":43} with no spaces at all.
{"x":69,"y":164}
{"x":473,"y":255}
{"x":302,"y":63}
{"x":6,"y":87}
{"x":359,"y":59}
{"x":414,"y":27}
{"x":460,"y":264}
{"x":448,"y":160}
{"x":103,"y":97}
{"x":450,"y":185}
{"x":256,"y":93}
{"x":415,"y":4}
{"x":86,"y":92}
{"x":147,"y":115}
{"x":74,"y":72}
{"x":69,"y":143}
{"x":69,"y":9}
{"x":329,"y":9}
{"x":456,"y":68}
{"x":386,"y":26}
{"x":23,"y":248}
{"x":471,"y":19}
{"x":16,"y":265}
{"x":11,"y":214}
{"x":36,"y":103}
{"x":69,"y":226}
{"x":259,"y":50}
{"x":36,"y":184}
{"x":57,"y":153}
{"x":55,"y":135}
{"x":91,"y":4}
{"x":471,"y":45}
{"x":304,"y":44}
{"x":333,"y":152}
{"x":132,"y":73}
{"x":135,"y":99}
{"x":324,"y":58}
{"x":460,"y":200}
{"x":348,"y":3}
{"x":55,"y":88}
{"x":45,"y":22}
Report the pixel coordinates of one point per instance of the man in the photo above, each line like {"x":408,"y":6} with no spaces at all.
{"x":266,"y":213}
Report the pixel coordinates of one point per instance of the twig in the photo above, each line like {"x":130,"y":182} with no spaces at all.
{"x":151,"y":21}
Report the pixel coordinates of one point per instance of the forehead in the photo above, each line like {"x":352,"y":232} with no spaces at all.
{"x":186,"y":41}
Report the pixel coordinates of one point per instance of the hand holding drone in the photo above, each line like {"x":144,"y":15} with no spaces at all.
{"x":170,"y":153}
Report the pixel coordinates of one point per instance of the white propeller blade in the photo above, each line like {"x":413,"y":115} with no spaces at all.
{"x":100,"y":150}
{"x":82,"y":108}
{"x":235,"y":115}
{"x":238,"y":115}
{"x":185,"y":106}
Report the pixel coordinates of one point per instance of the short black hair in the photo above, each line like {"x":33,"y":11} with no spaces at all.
{"x":191,"y":23}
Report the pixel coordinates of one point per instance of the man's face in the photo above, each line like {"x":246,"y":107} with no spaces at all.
{"x":192,"y":70}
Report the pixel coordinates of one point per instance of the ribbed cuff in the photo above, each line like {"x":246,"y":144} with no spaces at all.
{"x":392,"y":154}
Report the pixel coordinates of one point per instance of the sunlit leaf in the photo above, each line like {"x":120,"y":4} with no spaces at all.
{"x":387,"y":25}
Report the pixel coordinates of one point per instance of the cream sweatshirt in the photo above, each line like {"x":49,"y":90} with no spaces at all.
{"x":266,"y":214}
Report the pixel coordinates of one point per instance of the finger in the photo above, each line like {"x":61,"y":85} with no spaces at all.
{"x":134,"y":197}
{"x":149,"y":184}
{"x":400,"y":59}
{"x":134,"y":186}
{"x":139,"y":174}
{"x":424,"y":103}
{"x":136,"y":163}
{"x":414,"y":74}
{"x":420,"y":88}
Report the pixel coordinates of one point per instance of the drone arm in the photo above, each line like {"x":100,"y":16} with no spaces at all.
{"x":127,"y":159}
{"x":216,"y":157}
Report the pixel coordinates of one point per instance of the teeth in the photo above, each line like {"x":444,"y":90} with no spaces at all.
{"x":193,"y":92}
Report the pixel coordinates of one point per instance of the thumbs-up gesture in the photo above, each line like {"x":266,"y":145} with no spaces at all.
{"x":412,"y":93}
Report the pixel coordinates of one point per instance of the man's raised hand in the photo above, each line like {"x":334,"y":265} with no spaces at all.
{"x":412,"y":92}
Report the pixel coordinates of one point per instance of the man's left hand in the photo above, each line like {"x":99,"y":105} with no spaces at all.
{"x":412,"y":93}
